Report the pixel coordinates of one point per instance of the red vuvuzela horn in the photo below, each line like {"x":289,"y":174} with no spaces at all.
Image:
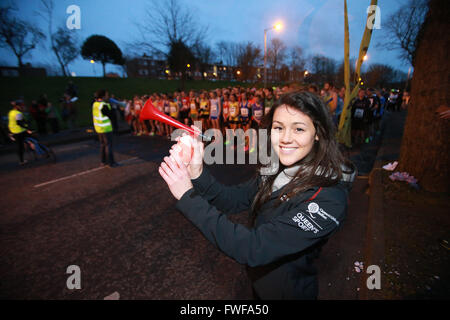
{"x":149,"y":112}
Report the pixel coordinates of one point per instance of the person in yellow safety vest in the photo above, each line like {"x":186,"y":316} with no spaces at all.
{"x":18,"y":128}
{"x":101,"y":114}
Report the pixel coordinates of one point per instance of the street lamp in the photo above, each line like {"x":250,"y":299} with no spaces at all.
{"x":365,"y":58}
{"x":93,"y":66}
{"x":277,"y":26}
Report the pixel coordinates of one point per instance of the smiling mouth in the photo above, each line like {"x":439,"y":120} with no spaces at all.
{"x":287,"y":150}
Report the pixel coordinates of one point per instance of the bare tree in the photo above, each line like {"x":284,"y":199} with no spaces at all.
{"x":340,"y":73}
{"x":276,"y":54}
{"x":248,"y":59}
{"x":167,"y":23}
{"x":296,"y":62}
{"x":204,"y":56}
{"x":403,"y":27}
{"x":284,"y":73}
{"x":379,"y":75}
{"x":20,"y":36}
{"x":63,"y":42}
{"x":323,"y":67}
{"x":227,"y":52}
{"x":66,"y":45}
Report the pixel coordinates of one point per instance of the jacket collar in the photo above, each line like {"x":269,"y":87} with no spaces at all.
{"x":284,"y":177}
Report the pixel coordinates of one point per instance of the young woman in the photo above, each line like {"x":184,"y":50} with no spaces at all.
{"x":215,"y":109}
{"x":244,"y":118}
{"x":225,"y":114}
{"x":257,"y":112}
{"x":257,"y":115}
{"x":137,"y":103}
{"x":295,"y":207}
{"x":174,"y":109}
{"x":204,"y":111}
{"x":128,"y":115}
{"x":184,"y":111}
{"x":234,"y":112}
{"x":193,"y":106}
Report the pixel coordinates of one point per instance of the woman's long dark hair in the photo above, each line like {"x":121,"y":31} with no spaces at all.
{"x":322,"y":167}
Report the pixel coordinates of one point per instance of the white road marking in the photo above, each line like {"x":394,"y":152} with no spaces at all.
{"x":78,"y":174}
{"x":128,"y":160}
{"x":71,"y":148}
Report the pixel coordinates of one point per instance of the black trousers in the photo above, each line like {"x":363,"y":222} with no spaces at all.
{"x":106,"y":147}
{"x":20,"y":137}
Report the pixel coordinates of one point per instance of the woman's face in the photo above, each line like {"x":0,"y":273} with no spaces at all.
{"x":292,"y":134}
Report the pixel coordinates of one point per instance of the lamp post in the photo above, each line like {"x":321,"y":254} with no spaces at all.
{"x":277,"y":26}
{"x":93,"y":68}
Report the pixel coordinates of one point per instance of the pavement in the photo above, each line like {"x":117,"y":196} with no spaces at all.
{"x":338,"y":278}
{"x":375,"y":242}
{"x":139,"y":255}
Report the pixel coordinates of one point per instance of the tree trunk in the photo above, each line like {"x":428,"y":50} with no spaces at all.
{"x":19,"y":61}
{"x":425,"y":146}
{"x":103,"y":65}
{"x":183,"y":80}
{"x":61,"y":64}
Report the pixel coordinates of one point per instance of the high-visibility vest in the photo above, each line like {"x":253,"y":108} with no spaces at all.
{"x":12,"y":122}
{"x":102,"y":124}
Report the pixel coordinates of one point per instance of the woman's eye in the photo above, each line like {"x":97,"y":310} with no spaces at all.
{"x":299,"y":130}
{"x":277,"y":128}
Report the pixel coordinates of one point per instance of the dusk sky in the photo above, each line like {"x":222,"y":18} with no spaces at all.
{"x":315,"y":25}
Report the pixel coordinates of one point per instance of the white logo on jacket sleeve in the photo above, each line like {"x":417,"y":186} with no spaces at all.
{"x":313,"y":208}
{"x":305,"y":224}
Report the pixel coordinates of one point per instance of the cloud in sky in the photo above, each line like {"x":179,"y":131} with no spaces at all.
{"x":315,"y":25}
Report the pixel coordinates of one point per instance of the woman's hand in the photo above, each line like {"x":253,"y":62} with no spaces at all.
{"x":195,"y":166}
{"x":176,"y":175}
